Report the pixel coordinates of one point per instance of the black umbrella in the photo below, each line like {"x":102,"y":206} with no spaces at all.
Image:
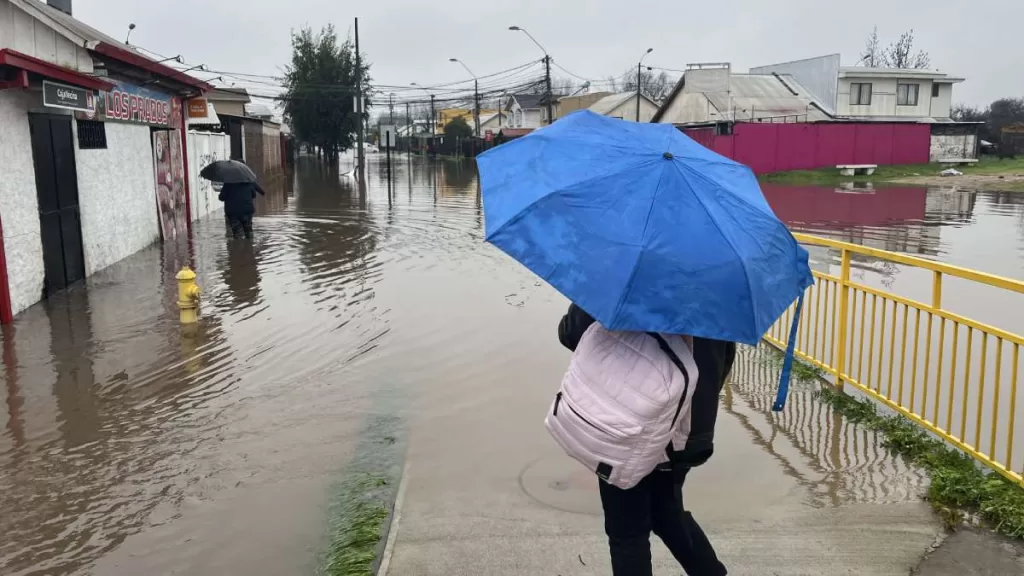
{"x":228,"y":172}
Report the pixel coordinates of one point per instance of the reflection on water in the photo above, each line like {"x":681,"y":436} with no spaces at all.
{"x":131,"y":446}
{"x":837,"y":461}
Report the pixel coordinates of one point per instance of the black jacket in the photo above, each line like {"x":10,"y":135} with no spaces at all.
{"x":238,"y":198}
{"x":714,"y":360}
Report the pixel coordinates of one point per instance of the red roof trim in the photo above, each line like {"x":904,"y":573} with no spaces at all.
{"x":16,"y":59}
{"x":139,"y":61}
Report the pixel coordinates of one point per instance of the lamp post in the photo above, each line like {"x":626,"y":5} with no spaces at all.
{"x":547,"y":68}
{"x":433,"y":124}
{"x":476,"y":94}
{"x":638,"y":73}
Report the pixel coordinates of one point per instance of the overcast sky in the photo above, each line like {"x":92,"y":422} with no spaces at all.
{"x":411,"y":41}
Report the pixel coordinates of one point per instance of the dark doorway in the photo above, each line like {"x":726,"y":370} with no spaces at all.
{"x":53,"y":153}
{"x":233,"y":128}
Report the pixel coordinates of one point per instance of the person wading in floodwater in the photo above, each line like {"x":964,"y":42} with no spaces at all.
{"x":656,"y":503}
{"x":239,"y":206}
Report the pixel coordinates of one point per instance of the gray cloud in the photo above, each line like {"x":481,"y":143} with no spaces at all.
{"x":412,"y":41}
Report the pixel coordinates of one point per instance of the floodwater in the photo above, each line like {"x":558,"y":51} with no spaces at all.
{"x":130,"y":445}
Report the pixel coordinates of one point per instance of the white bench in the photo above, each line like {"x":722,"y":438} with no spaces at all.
{"x":854,"y":169}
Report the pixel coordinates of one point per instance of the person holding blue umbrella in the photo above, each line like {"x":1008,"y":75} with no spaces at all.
{"x":669,"y":254}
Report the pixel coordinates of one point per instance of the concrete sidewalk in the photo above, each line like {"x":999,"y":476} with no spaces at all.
{"x":801,"y":492}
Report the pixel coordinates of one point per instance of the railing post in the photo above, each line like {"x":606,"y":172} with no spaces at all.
{"x":937,"y":290}
{"x":844,"y":313}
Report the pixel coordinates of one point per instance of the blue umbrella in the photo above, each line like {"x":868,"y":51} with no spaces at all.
{"x":643,"y":228}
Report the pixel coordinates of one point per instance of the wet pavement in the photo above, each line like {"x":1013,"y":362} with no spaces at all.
{"x":129,"y":445}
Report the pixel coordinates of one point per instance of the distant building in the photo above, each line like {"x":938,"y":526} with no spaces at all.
{"x":229,"y":104}
{"x":568,"y":104}
{"x":526,"y":111}
{"x":624,"y":107}
{"x":872,"y":94}
{"x":710,"y":92}
{"x":446,"y":115}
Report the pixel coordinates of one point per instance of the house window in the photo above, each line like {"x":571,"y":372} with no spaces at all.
{"x":860,"y":94}
{"x":519,"y":118}
{"x":92,"y":135}
{"x":906,"y":94}
{"x":935,"y":90}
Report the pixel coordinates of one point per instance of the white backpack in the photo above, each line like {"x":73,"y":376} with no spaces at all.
{"x":624,"y":404}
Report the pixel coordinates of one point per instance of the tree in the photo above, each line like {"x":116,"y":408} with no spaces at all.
{"x":320,"y":89}
{"x":458,"y":128}
{"x":967,"y":113}
{"x":900,"y":54}
{"x":657,"y":87}
{"x":873,"y":56}
{"x":1002,"y":113}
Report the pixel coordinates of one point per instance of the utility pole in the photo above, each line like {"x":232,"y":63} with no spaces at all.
{"x":433,"y":119}
{"x":359,"y":105}
{"x":391,"y":107}
{"x":408,"y":129}
{"x":638,"y":75}
{"x":547,"y":78}
{"x":476,"y":94}
{"x":547,"y":68}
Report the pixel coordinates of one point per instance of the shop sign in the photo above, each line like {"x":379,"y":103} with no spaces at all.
{"x":68,"y":97}
{"x":136,"y":104}
{"x":198,"y":108}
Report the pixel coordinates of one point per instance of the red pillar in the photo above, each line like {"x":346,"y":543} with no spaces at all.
{"x":6,"y":315}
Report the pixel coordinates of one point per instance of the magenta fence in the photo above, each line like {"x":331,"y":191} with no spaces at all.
{"x":770,"y":148}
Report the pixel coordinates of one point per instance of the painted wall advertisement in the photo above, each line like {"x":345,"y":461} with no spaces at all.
{"x":140,"y":105}
{"x":170,"y":184}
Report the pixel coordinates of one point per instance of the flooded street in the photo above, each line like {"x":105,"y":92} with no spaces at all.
{"x":129,"y":445}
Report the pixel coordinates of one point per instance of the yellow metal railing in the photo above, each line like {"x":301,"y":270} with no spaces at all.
{"x":950,"y":378}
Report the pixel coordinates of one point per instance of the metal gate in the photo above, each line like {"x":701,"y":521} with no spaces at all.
{"x":53,"y":153}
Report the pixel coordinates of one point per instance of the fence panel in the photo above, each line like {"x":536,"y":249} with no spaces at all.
{"x":956,"y":376}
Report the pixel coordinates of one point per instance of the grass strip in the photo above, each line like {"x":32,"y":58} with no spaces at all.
{"x":362,"y":501}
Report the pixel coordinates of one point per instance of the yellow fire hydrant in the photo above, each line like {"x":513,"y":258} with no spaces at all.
{"x":188,"y":296}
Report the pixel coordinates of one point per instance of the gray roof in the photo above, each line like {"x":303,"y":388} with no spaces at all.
{"x":750,"y":97}
{"x":610,"y":102}
{"x":529,"y":101}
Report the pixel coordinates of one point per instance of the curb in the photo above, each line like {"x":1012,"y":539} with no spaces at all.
{"x":396,"y":517}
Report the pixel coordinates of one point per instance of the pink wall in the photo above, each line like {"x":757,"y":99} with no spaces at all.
{"x":770,"y":148}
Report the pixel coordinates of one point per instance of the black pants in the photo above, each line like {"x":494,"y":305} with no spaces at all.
{"x":655,"y":505}
{"x":240,"y":225}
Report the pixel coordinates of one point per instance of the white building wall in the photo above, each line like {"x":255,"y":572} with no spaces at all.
{"x":19,"y":206}
{"x":203,"y":149}
{"x":627,"y":110}
{"x":942,"y":106}
{"x":117,"y":196}
{"x":953,"y":147}
{"x":883,"y":98}
{"x":22,"y":32}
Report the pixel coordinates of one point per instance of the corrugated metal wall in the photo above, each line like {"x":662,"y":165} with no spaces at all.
{"x":768,"y":148}
{"x":819,"y":75}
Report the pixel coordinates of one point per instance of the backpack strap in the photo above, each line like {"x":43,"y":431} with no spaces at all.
{"x":682,"y":368}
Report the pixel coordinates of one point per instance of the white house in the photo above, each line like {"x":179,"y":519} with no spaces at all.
{"x":92,"y":151}
{"x":525,"y":111}
{"x":872,"y":94}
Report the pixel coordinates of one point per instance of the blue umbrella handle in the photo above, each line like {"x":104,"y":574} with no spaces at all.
{"x":787,"y":364}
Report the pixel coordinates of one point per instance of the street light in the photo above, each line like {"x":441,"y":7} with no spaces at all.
{"x":547,"y":67}
{"x":638,"y":72}
{"x":476,"y":94}
{"x":433,"y":124}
